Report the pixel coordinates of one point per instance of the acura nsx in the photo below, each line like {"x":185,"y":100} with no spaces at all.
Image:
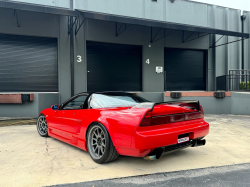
{"x":109,"y":124}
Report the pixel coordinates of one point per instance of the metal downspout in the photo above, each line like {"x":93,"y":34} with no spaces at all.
{"x":72,"y":52}
{"x":243,"y":18}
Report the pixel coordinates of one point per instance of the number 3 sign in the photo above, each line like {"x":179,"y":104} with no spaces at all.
{"x":79,"y":58}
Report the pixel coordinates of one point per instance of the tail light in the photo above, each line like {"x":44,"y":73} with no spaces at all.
{"x":150,"y":120}
{"x":146,"y":121}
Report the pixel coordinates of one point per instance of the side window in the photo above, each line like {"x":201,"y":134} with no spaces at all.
{"x":75,"y":103}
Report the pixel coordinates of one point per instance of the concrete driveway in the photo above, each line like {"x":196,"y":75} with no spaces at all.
{"x":26,"y":159}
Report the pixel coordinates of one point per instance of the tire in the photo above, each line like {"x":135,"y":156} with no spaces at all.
{"x":42,"y":127}
{"x":100,"y":145}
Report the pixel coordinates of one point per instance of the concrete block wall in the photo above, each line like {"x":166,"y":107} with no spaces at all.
{"x":30,"y":109}
{"x":237,"y":104}
{"x":156,"y":97}
{"x":240,"y":103}
{"x":211,"y":105}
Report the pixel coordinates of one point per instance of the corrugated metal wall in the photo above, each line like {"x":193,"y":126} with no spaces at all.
{"x":220,"y":59}
{"x":56,"y":3}
{"x":164,"y":10}
{"x":184,"y":12}
{"x":228,"y":56}
{"x":247,"y":42}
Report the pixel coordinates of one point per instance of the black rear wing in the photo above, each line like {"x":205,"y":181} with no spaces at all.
{"x":195,"y":105}
{"x":189,"y":104}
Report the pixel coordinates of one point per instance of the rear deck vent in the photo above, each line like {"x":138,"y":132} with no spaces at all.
{"x":175,"y":94}
{"x":219,"y":94}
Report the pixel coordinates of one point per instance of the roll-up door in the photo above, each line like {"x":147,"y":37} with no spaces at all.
{"x":185,"y":69}
{"x":114,"y":67}
{"x":28,"y":64}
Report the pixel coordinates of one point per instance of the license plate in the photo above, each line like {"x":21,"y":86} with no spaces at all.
{"x":185,"y":139}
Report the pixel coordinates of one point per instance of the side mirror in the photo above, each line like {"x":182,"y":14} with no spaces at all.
{"x":55,"y":107}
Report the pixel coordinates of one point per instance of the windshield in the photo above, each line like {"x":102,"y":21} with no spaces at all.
{"x":115,"y":100}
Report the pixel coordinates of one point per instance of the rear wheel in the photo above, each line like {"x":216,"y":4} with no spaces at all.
{"x":100,"y":145}
{"x":42,"y":127}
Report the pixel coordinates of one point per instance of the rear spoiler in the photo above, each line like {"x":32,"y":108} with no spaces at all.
{"x":189,"y":104}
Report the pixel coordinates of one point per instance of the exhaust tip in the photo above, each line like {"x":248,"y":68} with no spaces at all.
{"x":199,"y":143}
{"x":153,"y":157}
{"x":155,"y":154}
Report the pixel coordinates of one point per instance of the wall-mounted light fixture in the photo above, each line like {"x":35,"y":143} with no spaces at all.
{"x":154,"y":0}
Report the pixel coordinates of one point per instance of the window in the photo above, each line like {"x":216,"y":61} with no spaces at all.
{"x":75,"y":103}
{"x":114,"y":100}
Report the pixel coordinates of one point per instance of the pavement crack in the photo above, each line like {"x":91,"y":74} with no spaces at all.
{"x":47,"y":146}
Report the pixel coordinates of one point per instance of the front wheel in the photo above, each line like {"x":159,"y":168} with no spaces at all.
{"x":100,"y":145}
{"x":42,"y":127}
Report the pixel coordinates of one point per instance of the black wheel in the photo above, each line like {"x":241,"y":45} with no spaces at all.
{"x":42,"y":127}
{"x":100,"y":145}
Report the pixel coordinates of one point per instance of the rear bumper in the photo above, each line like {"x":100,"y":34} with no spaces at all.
{"x":146,"y":139}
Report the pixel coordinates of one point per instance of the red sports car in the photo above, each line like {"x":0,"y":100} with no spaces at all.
{"x":109,"y":124}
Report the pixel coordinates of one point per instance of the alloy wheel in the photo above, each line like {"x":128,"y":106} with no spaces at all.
{"x":97,"y":142}
{"x":42,"y":125}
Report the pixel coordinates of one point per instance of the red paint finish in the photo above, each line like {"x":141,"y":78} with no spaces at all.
{"x":124,"y":126}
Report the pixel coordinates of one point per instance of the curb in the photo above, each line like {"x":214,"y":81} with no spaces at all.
{"x":12,"y":122}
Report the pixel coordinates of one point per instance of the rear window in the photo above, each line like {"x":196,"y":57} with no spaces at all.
{"x":115,"y":100}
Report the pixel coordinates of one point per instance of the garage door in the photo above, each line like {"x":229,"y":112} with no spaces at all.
{"x":185,"y":69}
{"x":114,"y":67}
{"x":28,"y":64}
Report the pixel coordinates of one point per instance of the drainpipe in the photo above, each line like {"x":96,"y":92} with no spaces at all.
{"x":243,"y":18}
{"x":72,"y":52}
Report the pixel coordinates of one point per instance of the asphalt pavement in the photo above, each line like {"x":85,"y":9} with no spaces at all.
{"x":226,"y":176}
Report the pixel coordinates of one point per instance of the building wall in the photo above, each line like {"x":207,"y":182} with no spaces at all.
{"x":247,"y":42}
{"x":238,"y":103}
{"x":183,"y":12}
{"x":29,"y":109}
{"x":31,"y":23}
{"x":219,"y":60}
{"x":56,"y":3}
{"x":40,"y":25}
{"x":64,"y":74}
{"x":211,"y":105}
{"x":228,"y":56}
{"x":103,"y":31}
{"x":162,"y":10}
